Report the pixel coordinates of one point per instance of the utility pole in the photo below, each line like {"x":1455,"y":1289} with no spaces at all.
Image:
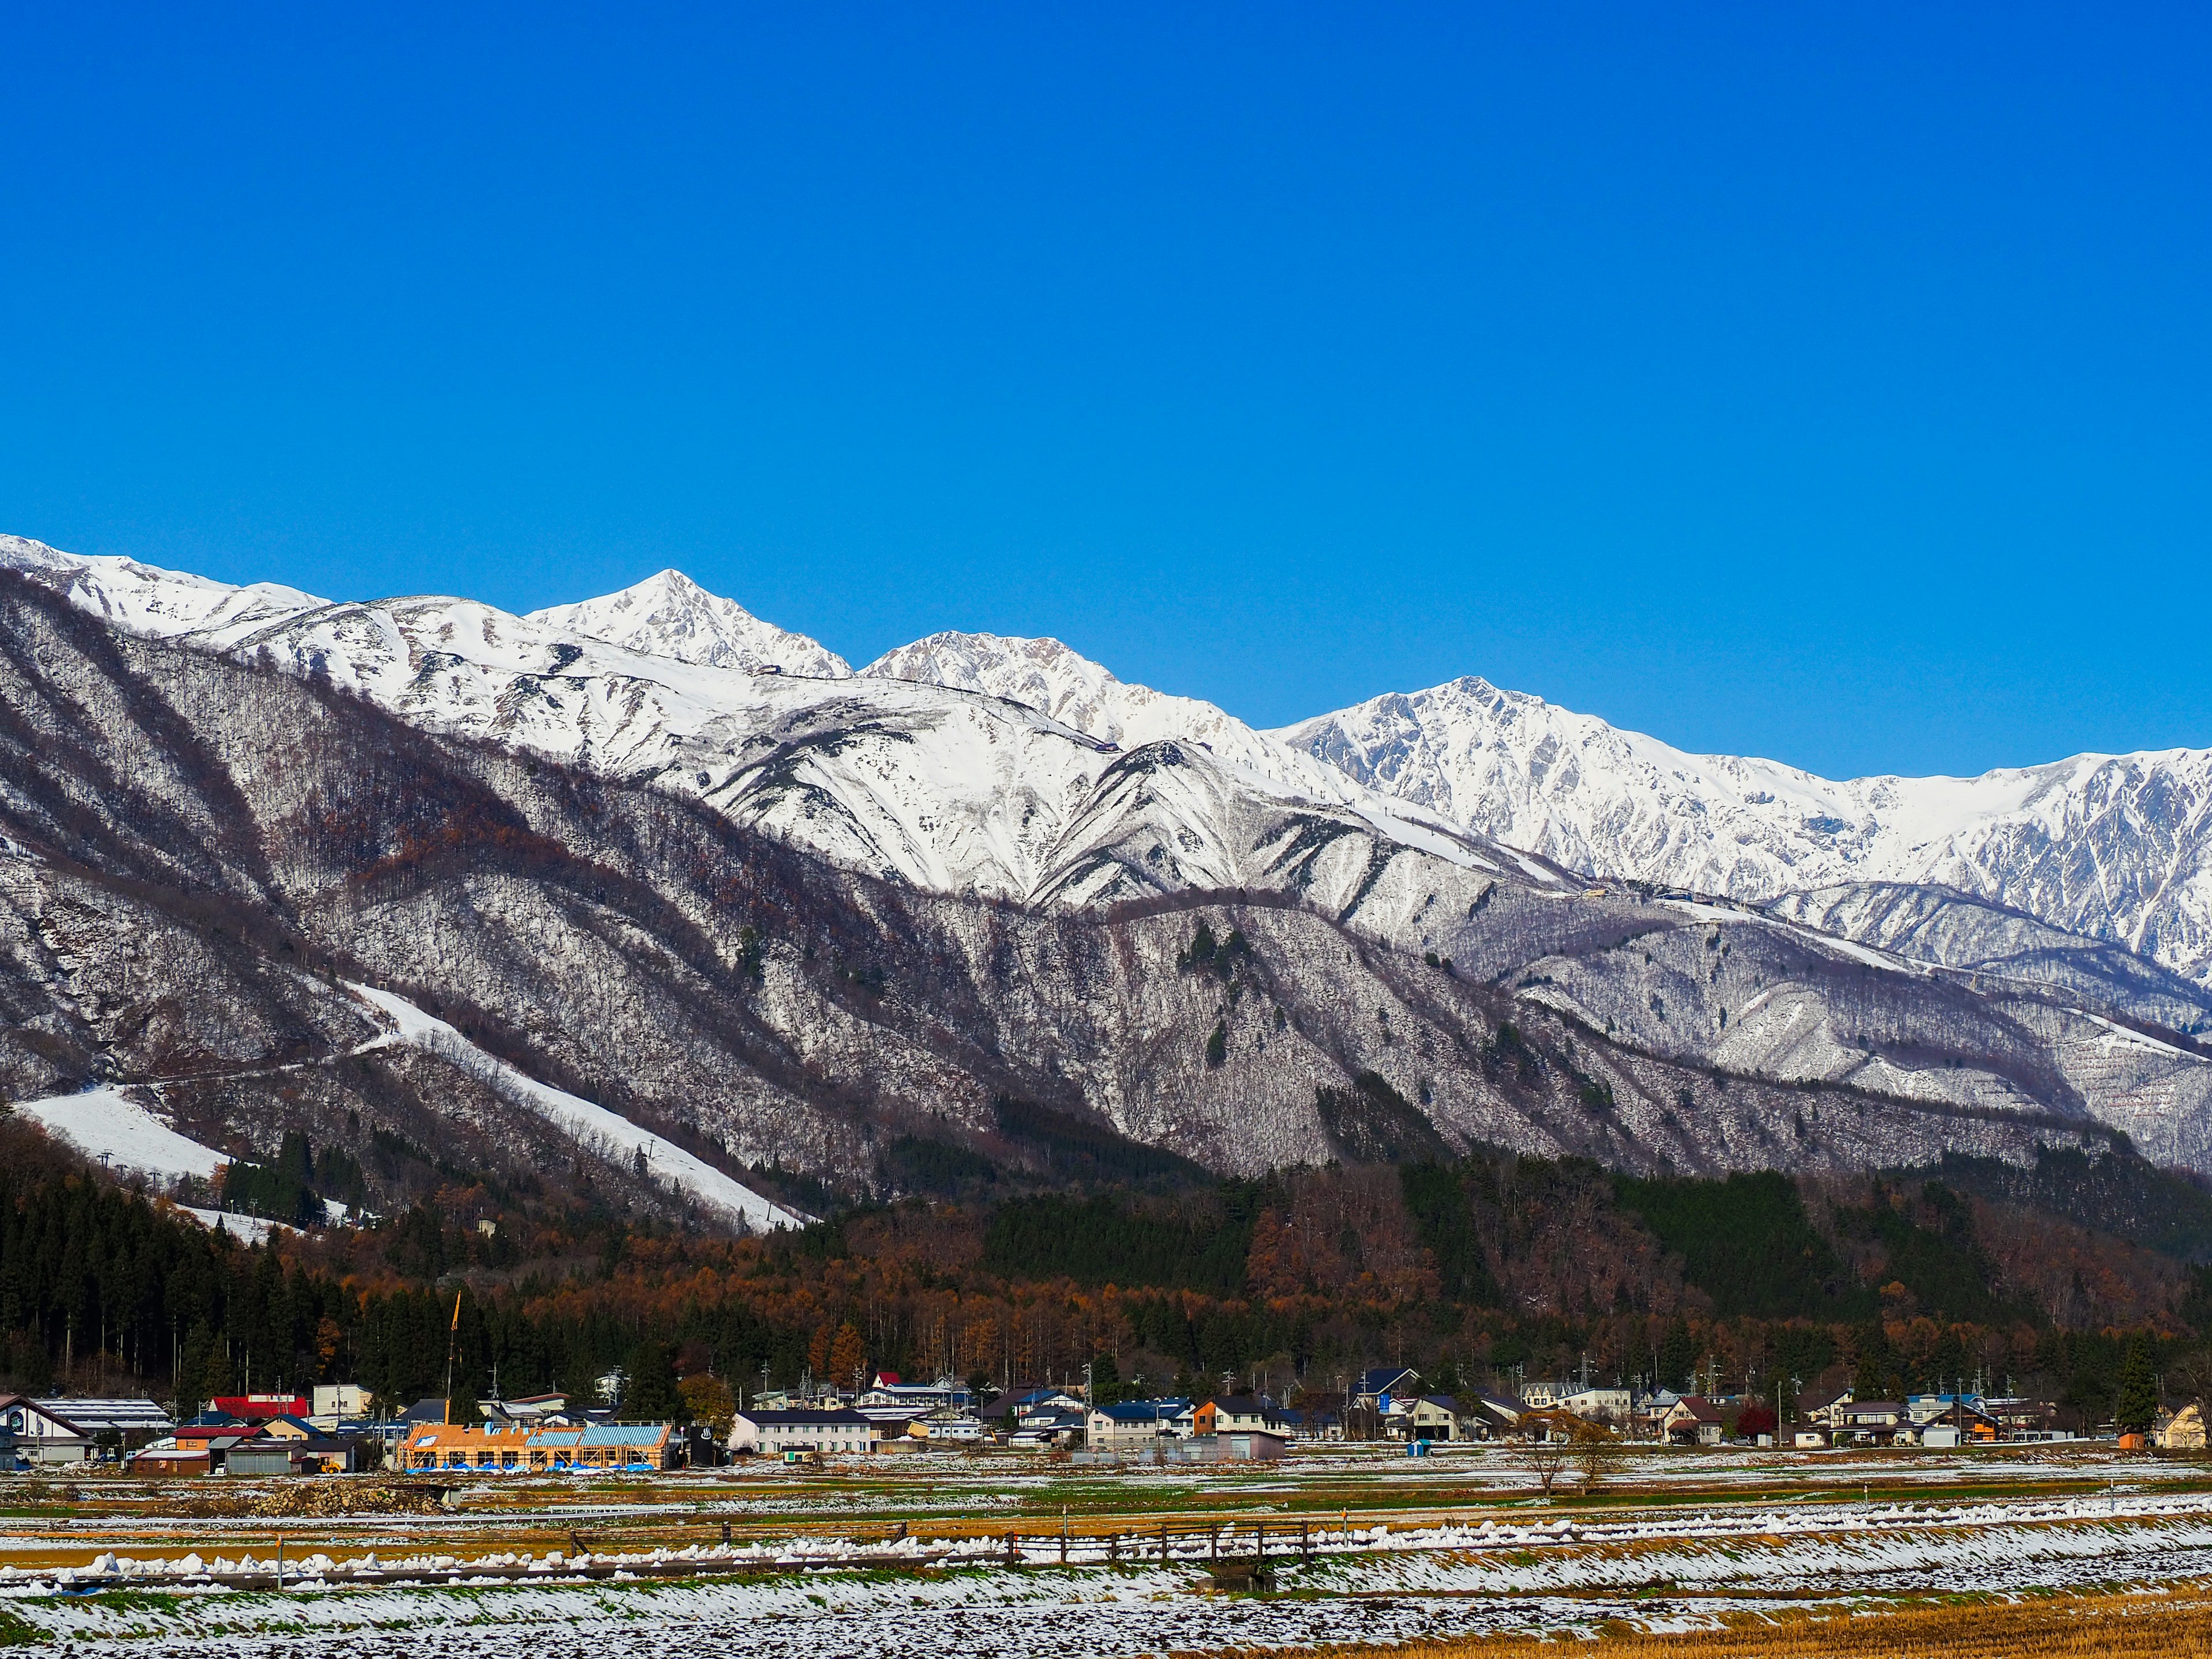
{"x":452,"y":1341}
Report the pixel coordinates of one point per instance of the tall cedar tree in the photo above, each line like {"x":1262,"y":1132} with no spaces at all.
{"x":653,"y":1395}
{"x":2135,"y":1408}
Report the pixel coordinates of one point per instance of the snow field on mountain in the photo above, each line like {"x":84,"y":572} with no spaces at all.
{"x":110,"y":1127}
{"x":608,"y":1134}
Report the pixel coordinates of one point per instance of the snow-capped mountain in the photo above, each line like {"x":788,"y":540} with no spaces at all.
{"x":671,"y":616}
{"x":944,"y":926}
{"x":222,"y":879}
{"x":960,"y":763}
{"x":2115,"y":846}
{"x":147,"y":599}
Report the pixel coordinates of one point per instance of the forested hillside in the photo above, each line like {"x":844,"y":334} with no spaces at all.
{"x":1489,"y":1268}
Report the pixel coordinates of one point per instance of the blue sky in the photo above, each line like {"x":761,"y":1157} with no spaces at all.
{"x":1823,"y":382}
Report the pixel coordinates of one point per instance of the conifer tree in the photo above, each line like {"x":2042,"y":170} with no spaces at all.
{"x":2135,"y":1408}
{"x":651,"y":1395}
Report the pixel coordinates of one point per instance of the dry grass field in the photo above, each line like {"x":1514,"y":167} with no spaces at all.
{"x":2156,"y":1625}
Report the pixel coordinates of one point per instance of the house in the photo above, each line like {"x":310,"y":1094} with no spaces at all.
{"x":830,"y":1429}
{"x":890,"y":1396}
{"x":2184,"y":1431}
{"x":1962,"y":1420}
{"x":333,"y":1401}
{"x":472,"y":1446}
{"x":1820,"y":1405}
{"x":1445,"y":1417}
{"x":287,"y":1454}
{"x":1608,"y":1406}
{"x":76,"y":1430}
{"x":1693,"y":1420}
{"x":1505,"y":1407}
{"x":1381,"y":1387}
{"x":1238,"y":1412}
{"x":609,"y":1445}
{"x":1008,"y":1408}
{"x":500,"y":1447}
{"x":1870,"y":1422}
{"x":166,"y":1457}
{"x":1135,"y":1423}
{"x":1548,"y":1423}
{"x":2019,"y":1419}
{"x":259,"y":1407}
{"x":201,"y":1445}
{"x":208,"y":1426}
{"x":528,"y":1410}
{"x":43,"y":1434}
{"x":1048,"y":1426}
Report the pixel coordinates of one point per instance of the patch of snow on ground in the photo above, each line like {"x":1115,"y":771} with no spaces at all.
{"x":247,"y":1229}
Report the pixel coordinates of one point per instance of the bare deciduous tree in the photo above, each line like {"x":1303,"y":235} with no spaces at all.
{"x":1546,"y":1458}
{"x":1596,"y":1453}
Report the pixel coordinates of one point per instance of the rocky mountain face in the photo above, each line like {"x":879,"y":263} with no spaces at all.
{"x":792,"y":928}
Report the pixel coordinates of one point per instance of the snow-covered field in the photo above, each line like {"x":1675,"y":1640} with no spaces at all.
{"x":1667,"y":1570}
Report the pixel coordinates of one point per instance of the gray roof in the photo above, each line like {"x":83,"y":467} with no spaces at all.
{"x":96,"y":1416}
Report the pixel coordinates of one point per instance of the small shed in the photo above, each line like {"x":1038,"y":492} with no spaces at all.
{"x":1250,"y":1446}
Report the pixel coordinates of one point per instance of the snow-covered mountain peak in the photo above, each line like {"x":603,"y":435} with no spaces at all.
{"x":1055,"y":680}
{"x":669,"y":614}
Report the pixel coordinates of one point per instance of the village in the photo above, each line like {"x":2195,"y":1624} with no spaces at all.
{"x":339,"y":1428}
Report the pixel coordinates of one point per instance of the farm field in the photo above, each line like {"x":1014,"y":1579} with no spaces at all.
{"x":1350,"y":1549}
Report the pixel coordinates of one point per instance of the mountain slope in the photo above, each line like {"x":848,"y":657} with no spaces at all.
{"x":960,"y":792}
{"x":1071,"y":688}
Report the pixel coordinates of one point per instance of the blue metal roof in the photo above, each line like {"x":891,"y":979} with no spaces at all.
{"x":621,"y":1434}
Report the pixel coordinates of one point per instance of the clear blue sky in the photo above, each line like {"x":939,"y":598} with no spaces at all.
{"x":1826,"y":382}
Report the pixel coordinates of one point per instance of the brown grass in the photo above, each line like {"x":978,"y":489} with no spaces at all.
{"x":2118,"y":1627}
